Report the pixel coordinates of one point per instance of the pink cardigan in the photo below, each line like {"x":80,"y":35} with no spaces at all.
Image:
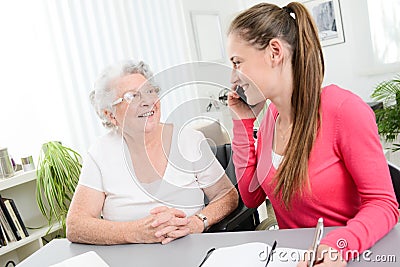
{"x":348,"y":172}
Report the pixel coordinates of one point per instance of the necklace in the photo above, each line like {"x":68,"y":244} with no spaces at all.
{"x":277,"y":158}
{"x":284,"y":134}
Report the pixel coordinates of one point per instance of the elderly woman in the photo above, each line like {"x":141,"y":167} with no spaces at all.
{"x":144,"y":181}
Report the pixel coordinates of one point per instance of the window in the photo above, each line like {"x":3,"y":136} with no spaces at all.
{"x":385,"y":32}
{"x":52,"y":52}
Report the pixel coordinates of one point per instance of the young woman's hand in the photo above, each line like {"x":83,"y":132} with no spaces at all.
{"x":326,"y":257}
{"x":241,"y":110}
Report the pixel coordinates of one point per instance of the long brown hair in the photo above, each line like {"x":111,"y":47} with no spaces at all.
{"x":294,"y":25}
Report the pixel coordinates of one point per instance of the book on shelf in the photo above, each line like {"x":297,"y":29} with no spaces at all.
{"x":9,"y":219}
{"x":19,"y":218}
{"x":3,"y":238}
{"x":16,"y":217}
{"x":6,"y":227}
{"x":13,"y":218}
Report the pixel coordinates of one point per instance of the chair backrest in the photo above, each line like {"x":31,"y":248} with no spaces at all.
{"x":224,"y":155}
{"x":243,"y":218}
{"x":214,"y":132}
{"x":395,"y":174}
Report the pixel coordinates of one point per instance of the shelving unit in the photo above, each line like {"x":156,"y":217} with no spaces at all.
{"x":22,"y":189}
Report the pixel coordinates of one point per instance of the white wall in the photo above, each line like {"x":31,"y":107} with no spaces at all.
{"x":352,"y":64}
{"x":349,"y":64}
{"x":28,"y":102}
{"x":219,"y":72}
{"x":344,"y":64}
{"x":226,"y":12}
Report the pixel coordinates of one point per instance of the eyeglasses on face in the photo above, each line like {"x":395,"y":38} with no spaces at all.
{"x":135,"y":96}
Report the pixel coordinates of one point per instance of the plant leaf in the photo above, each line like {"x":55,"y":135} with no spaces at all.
{"x":57,"y":176}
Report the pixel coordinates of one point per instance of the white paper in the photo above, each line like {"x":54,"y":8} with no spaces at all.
{"x":87,"y":259}
{"x":253,"y":255}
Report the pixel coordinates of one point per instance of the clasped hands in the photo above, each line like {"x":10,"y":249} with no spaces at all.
{"x":168,"y":224}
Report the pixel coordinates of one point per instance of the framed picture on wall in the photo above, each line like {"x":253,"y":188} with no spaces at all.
{"x":328,"y":18}
{"x":208,"y":36}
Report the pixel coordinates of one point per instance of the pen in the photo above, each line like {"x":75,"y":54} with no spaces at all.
{"x":317,"y":238}
{"x":207,"y":256}
{"x":271,"y":252}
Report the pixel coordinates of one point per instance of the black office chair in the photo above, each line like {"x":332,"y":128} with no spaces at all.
{"x":243,"y":218}
{"x":395,"y":174}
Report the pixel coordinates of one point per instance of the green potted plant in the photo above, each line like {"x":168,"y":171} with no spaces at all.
{"x":57,"y":174}
{"x":388,"y":118}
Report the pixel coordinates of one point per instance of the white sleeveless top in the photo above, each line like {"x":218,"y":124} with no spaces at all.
{"x":108,"y":168}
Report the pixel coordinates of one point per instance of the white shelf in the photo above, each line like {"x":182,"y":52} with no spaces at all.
{"x":19,"y":178}
{"x":33,"y":236}
{"x":22,"y":189}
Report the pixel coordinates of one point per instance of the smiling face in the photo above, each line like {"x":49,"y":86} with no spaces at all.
{"x":250,"y":68}
{"x":142,"y":114}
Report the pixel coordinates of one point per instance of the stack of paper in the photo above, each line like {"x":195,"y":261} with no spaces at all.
{"x":83,"y":260}
{"x":253,"y":255}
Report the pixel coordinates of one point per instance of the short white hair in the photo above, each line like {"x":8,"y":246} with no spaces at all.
{"x":103,"y":94}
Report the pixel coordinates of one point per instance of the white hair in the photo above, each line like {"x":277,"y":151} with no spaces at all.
{"x":103,"y":94}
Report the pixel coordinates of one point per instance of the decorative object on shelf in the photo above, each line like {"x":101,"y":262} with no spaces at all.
{"x":388,"y":118}
{"x":58,"y":173}
{"x":6,"y":167}
{"x":27,"y":163}
{"x":328,"y":18}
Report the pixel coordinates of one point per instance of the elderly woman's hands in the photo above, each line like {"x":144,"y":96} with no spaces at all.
{"x":169,"y":223}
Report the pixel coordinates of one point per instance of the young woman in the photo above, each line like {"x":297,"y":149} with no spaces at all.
{"x":318,"y":152}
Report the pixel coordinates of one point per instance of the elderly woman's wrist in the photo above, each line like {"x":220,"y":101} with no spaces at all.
{"x":197,"y":225}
